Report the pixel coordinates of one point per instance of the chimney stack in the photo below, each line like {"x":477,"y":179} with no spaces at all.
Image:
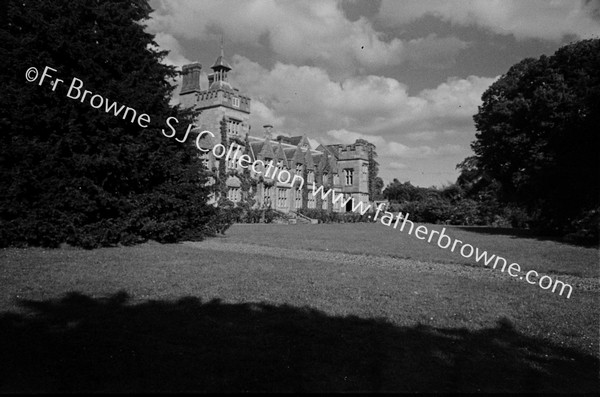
{"x":268,"y":130}
{"x":191,"y":77}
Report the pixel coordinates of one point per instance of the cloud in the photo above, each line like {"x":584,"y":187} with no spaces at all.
{"x":434,"y":52}
{"x":422,"y":135}
{"x":541,"y":19}
{"x":394,"y":165}
{"x":175,"y":57}
{"x":307,"y":100}
{"x":420,"y":152}
{"x":301,"y":32}
{"x":346,"y":137}
{"x":261,"y":115}
{"x":392,"y":149}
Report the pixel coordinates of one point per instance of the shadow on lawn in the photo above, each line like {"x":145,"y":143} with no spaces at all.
{"x":81,"y":343}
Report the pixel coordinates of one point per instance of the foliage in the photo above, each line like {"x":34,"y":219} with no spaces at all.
{"x":304,"y":187}
{"x":72,"y":173}
{"x":537,"y":136}
{"x":399,"y":192}
{"x":221,"y":185}
{"x":585,"y":228}
{"x":463,"y":203}
{"x":269,"y":215}
{"x":378,"y":185}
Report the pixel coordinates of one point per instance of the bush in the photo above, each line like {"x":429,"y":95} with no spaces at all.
{"x":268,"y":215}
{"x":586,"y":228}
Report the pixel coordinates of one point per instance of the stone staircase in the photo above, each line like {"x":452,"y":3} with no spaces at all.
{"x":304,"y":219}
{"x":292,"y":218}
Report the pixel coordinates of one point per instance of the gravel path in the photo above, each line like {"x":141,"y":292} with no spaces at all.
{"x":401,"y":265}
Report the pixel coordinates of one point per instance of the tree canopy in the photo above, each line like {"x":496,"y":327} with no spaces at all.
{"x":538,"y":136}
{"x":72,"y":173}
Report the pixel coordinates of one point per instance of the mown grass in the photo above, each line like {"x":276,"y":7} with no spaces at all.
{"x":205,"y":320}
{"x":532,"y":252}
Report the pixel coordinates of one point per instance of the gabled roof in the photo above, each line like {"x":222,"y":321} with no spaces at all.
{"x":310,"y":164}
{"x":280,"y":154}
{"x":289,"y":154}
{"x":297,"y":157}
{"x":332,"y":149}
{"x":251,"y":152}
{"x":267,"y":150}
{"x":256,"y":148}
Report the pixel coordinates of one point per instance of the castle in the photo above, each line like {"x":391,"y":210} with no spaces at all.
{"x":344,"y":168}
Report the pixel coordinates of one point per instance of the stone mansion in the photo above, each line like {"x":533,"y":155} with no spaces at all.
{"x":341,"y":167}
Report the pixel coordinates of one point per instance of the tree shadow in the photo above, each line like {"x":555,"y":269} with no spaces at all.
{"x":79,"y":343}
{"x":527,"y":233}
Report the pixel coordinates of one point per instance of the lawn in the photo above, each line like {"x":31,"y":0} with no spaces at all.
{"x":531,"y":252}
{"x":295,"y":308}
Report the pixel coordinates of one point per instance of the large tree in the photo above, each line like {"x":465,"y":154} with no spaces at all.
{"x":538,"y":135}
{"x":72,"y":173}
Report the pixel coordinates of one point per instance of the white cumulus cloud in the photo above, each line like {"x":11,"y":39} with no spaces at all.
{"x":524,"y":19}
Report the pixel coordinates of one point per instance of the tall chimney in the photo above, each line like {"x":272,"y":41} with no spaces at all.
{"x":268,"y":130}
{"x":191,"y":77}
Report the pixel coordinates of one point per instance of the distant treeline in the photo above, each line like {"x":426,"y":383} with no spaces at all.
{"x":453,"y":205}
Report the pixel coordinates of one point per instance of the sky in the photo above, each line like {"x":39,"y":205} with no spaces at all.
{"x":406,"y":75}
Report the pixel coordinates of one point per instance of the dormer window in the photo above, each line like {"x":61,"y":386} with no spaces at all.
{"x":268,"y":161}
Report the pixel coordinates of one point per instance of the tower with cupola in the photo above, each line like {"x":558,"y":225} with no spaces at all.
{"x":219,"y":100}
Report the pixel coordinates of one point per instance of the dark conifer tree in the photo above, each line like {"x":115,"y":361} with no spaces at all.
{"x":73,"y":173}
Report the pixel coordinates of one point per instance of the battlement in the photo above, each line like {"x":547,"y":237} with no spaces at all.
{"x":353,"y":151}
{"x":222,"y":97}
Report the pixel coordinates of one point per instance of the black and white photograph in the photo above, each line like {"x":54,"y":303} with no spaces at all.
{"x":300,"y":196}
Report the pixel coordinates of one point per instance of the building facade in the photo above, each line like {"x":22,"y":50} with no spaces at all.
{"x":344,"y":168}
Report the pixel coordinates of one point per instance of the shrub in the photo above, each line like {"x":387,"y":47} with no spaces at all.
{"x":270,"y":215}
{"x":586,"y":228}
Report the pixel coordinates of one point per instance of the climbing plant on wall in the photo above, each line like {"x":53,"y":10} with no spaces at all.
{"x":222,"y":178}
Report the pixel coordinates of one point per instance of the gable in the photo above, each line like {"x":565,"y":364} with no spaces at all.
{"x":266,"y":151}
